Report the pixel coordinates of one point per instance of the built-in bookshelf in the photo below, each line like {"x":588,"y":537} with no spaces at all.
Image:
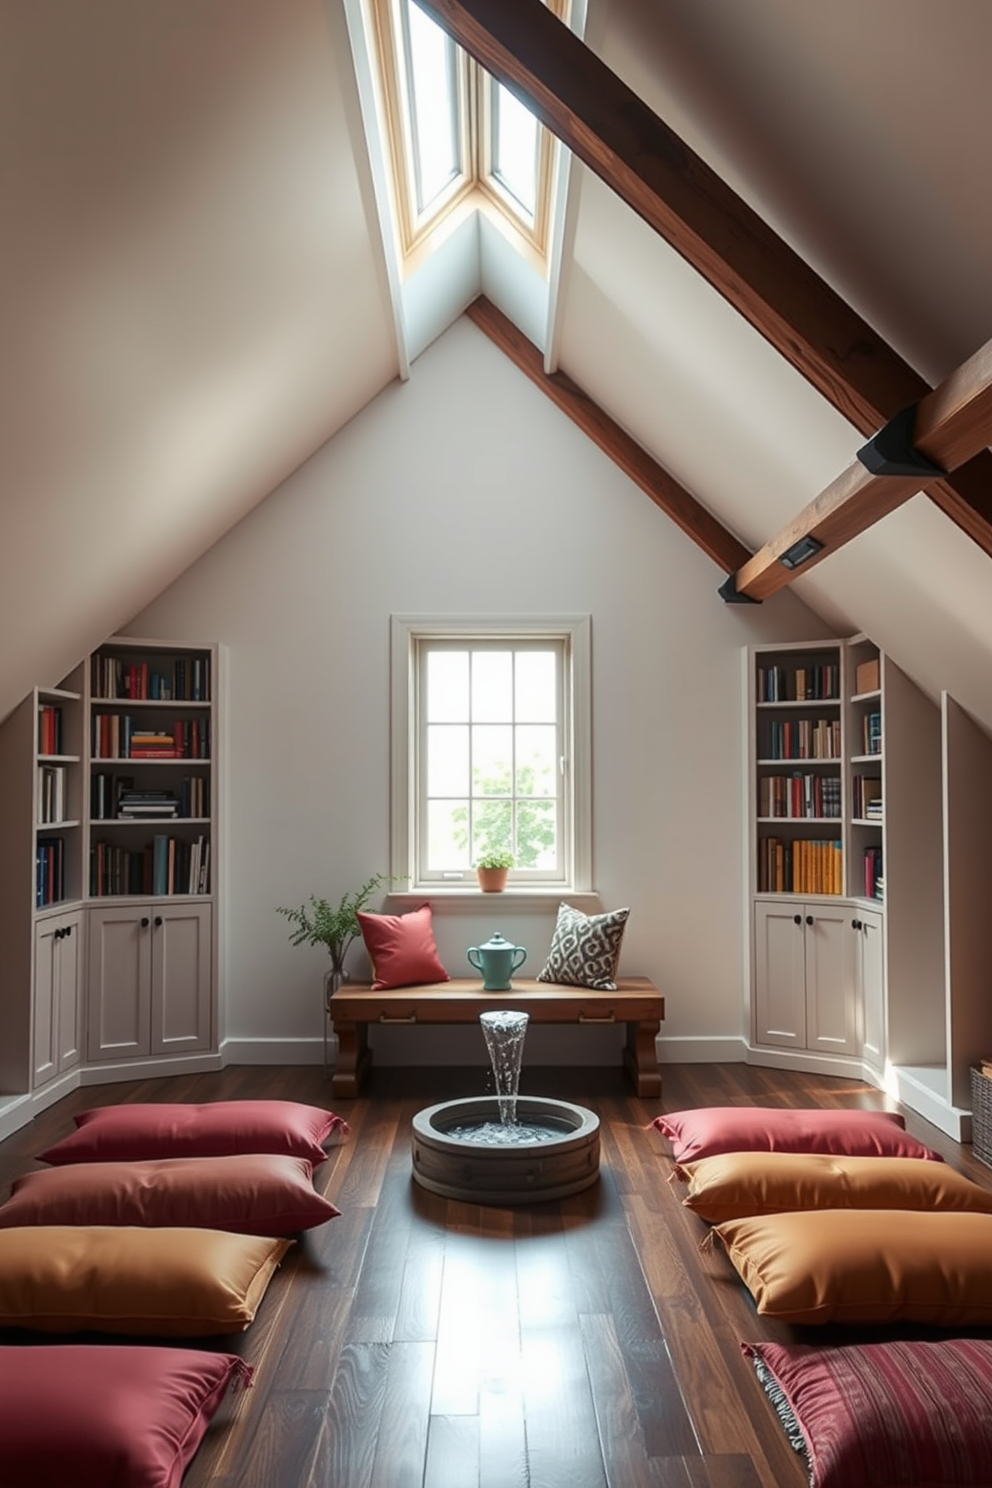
{"x":797,"y":744}
{"x":865,"y":763}
{"x":150,"y":770}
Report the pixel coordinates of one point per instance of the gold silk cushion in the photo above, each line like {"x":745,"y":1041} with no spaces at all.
{"x":735,"y":1184}
{"x":866,"y":1265}
{"x":169,"y":1282}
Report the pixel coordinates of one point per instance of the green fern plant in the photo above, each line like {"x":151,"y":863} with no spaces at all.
{"x":318,"y":922}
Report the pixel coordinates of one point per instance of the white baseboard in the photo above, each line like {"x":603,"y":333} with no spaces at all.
{"x":918,"y":1094}
{"x":149,"y":1069}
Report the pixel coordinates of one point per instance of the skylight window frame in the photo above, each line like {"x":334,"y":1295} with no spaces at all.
{"x":391,"y":35}
{"x":475,"y":116}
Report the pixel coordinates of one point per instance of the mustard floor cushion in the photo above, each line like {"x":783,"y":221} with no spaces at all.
{"x":167,"y":1282}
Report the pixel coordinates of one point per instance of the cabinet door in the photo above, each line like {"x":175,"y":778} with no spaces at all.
{"x":119,"y":982}
{"x":68,"y":1038}
{"x":182,"y":983}
{"x":57,"y":983}
{"x":871,"y":943}
{"x":832,"y":1020}
{"x":780,"y":974}
{"x":44,"y":1061}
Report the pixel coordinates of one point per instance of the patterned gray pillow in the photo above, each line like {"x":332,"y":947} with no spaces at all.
{"x":585,"y":949}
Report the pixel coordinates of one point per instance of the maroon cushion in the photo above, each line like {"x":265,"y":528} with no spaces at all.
{"x":712,"y":1129}
{"x":106,"y":1415}
{"x":257,"y":1193}
{"x":884,"y":1415}
{"x":132,"y":1133}
{"x":401,"y":948}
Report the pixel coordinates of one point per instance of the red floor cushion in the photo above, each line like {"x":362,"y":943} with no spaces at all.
{"x":256,"y":1193}
{"x":134,"y":1132}
{"x":912,"y":1414}
{"x":106,"y":1416}
{"x":707,"y":1130}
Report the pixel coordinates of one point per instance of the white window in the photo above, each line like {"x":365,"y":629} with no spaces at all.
{"x":490,"y":750}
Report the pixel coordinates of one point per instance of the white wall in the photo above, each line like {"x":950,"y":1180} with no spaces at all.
{"x":465,"y":490}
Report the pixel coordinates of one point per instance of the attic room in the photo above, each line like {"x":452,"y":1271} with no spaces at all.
{"x":241,"y":416}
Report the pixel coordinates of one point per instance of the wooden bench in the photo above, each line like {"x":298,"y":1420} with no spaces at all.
{"x":636,"y":1002}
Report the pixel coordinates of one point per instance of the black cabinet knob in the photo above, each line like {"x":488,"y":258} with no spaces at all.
{"x":798,"y":919}
{"x":158,"y":919}
{"x":855,"y":924}
{"x":809,"y":919}
{"x":145,"y":922}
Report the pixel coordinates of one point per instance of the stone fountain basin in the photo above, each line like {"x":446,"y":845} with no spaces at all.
{"x":456,"y":1168}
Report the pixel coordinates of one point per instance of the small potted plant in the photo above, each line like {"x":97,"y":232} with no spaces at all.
{"x":492,"y":869}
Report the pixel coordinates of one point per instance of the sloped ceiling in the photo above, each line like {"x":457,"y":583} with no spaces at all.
{"x":193,"y":292}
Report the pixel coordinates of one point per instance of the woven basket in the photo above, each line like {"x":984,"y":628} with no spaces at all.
{"x":981,"y":1116}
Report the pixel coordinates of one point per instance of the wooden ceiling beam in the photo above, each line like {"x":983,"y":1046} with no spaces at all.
{"x":664,"y":490}
{"x":618,"y":136}
{"x":945,"y":429}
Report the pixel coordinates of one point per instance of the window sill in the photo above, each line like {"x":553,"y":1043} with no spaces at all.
{"x":470,"y":899}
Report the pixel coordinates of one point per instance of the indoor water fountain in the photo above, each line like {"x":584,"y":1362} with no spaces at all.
{"x":505,"y":1148}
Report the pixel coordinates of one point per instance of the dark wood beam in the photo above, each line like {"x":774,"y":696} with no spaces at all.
{"x":664,"y":490}
{"x":615,"y":134}
{"x":950,"y":424}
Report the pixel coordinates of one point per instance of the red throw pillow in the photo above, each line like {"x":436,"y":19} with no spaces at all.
{"x":136,"y":1132}
{"x":251,"y":1193}
{"x":401,"y":948}
{"x":91,"y":1415}
{"x":713,"y":1129}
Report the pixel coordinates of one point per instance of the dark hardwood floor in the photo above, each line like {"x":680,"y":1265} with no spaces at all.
{"x":416,"y":1342}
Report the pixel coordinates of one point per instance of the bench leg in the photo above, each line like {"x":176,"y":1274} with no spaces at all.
{"x":354,"y":1058}
{"x":641,"y":1058}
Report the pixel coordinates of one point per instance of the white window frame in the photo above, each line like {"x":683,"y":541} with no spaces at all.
{"x":574,"y":633}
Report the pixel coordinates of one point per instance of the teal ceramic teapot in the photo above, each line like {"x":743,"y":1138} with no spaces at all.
{"x":497,"y":960}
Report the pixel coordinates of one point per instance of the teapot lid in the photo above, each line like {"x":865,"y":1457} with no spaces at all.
{"x":497,"y":943}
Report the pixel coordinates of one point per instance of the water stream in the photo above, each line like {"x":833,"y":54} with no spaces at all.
{"x":504,"y":1033}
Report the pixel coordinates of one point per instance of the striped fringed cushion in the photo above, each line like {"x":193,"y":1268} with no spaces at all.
{"x":884,"y":1415}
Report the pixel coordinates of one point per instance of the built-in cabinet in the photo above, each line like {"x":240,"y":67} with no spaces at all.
{"x":108,"y":864}
{"x":149,"y":980}
{"x":868,"y":822}
{"x":805,"y":986}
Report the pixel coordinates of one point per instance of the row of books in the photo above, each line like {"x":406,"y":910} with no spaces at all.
{"x":803,"y":738}
{"x":166,"y":865}
{"x":804,"y":866}
{"x":49,"y":866}
{"x":871,"y":729}
{"x":51,"y":794}
{"x":114,"y":797}
{"x":866,"y":793}
{"x":811,"y":795}
{"x":776,"y":685}
{"x":874,"y":882}
{"x":119,"y":736}
{"x":50,"y":739}
{"x":186,"y":679}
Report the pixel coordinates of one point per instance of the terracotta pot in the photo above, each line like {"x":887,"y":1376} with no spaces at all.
{"x":492,"y":880}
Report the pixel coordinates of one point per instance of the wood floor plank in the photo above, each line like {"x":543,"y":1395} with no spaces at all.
{"x":562,"y":1440}
{"x":452,"y":1452}
{"x":401,"y":1442}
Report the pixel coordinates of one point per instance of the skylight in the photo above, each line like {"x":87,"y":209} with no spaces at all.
{"x":453,"y":130}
